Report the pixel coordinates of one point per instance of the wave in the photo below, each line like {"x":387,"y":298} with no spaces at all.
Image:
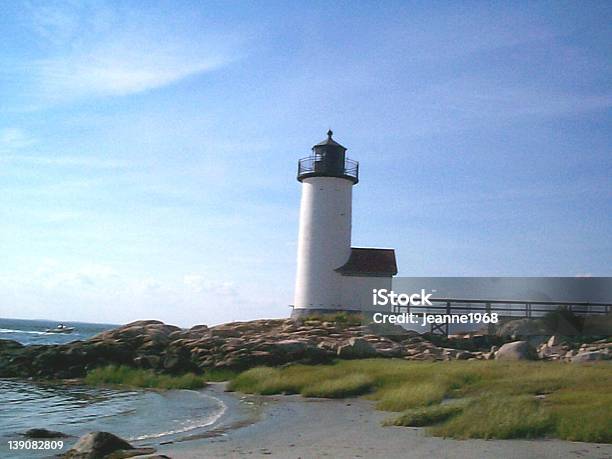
{"x":31,"y":332}
{"x":204,"y":423}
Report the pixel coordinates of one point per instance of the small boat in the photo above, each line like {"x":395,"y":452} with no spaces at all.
{"x":61,"y":328}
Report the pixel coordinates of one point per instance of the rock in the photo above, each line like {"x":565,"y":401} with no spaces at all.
{"x":356,"y":348}
{"x":142,"y":323}
{"x":518,"y":350}
{"x":464,"y":355}
{"x":43,"y":433}
{"x":224,"y":331}
{"x":98,"y":445}
{"x":393,"y":351}
{"x":571,"y":353}
{"x":590,"y":357}
{"x":242,"y":345}
{"x":177,"y":360}
{"x":9,"y":345}
{"x":288,"y":346}
{"x":147,"y":361}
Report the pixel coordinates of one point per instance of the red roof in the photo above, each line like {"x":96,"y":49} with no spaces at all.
{"x":370,"y":262}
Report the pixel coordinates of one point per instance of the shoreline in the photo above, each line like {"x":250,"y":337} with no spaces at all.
{"x":291,"y":426}
{"x":235,"y":412}
{"x":242,"y":410}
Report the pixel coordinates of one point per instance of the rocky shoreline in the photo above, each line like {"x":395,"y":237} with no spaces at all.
{"x":151,"y":344}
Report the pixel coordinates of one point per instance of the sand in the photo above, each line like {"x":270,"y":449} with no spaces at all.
{"x":296,"y":427}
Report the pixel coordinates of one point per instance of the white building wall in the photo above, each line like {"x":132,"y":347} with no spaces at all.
{"x":324,"y":241}
{"x":357,"y":291}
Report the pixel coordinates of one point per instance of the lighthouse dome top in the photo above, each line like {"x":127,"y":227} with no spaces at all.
{"x":328,"y":159}
{"x":329,"y":141}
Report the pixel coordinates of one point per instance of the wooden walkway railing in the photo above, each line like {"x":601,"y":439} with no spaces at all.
{"x":504,"y":308}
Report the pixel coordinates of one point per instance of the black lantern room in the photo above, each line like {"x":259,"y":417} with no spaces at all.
{"x":328,"y":160}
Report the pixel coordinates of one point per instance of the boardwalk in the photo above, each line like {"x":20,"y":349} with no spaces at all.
{"x":504,"y":309}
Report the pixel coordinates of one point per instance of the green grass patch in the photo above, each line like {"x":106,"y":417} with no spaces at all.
{"x":410,"y":395}
{"x":132,"y":377}
{"x":582,"y":417}
{"x":300,"y":379}
{"x":345,"y":386}
{"x":426,"y":416}
{"x":339,"y":318}
{"x":219,"y":374}
{"x":498,"y":416}
{"x":490,"y":399}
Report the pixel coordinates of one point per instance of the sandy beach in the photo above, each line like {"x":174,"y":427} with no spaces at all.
{"x":297,"y":427}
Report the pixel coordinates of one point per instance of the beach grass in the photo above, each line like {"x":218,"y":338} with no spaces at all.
{"x":132,"y":377}
{"x":219,"y":374}
{"x":345,"y":386}
{"x":425,"y":416}
{"x":461,"y":399}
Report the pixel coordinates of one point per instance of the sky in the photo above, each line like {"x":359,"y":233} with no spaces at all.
{"x":148,"y":150}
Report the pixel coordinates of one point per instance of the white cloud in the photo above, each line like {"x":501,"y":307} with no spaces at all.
{"x":95,"y":50}
{"x":123,"y":68}
{"x":198,"y":284}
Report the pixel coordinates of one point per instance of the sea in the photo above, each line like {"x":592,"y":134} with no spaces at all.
{"x":143,"y":417}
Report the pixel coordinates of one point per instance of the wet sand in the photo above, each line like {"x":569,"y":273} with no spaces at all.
{"x":296,"y":427}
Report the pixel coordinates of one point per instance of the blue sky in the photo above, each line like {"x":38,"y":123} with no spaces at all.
{"x":148,"y":149}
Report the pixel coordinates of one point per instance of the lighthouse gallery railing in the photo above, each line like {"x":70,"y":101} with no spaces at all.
{"x":315,"y":165}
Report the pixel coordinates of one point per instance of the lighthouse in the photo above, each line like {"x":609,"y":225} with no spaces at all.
{"x":331,"y":275}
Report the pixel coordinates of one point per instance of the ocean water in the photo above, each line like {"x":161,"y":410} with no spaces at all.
{"x":145,"y":418}
{"x":33,"y":331}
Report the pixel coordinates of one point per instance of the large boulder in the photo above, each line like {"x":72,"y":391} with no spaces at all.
{"x":518,"y":350}
{"x":98,"y":445}
{"x":592,"y":356}
{"x":289,"y":346}
{"x":356,"y":348}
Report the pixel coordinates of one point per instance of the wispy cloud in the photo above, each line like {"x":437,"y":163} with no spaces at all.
{"x":99,"y":51}
{"x":199,"y":283}
{"x":65,"y":161}
{"x":13,"y":138}
{"x":126,"y":67}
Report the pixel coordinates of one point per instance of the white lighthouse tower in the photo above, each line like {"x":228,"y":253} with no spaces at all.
{"x":331,"y":275}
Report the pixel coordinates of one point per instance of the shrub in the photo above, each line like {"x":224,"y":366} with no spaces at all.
{"x":562,"y":322}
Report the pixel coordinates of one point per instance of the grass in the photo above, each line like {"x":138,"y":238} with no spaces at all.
{"x":131,"y":377}
{"x":473,"y":399}
{"x":499,"y":416}
{"x":345,"y":386}
{"x":339,"y":318}
{"x":425,"y":416}
{"x":219,"y":374}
